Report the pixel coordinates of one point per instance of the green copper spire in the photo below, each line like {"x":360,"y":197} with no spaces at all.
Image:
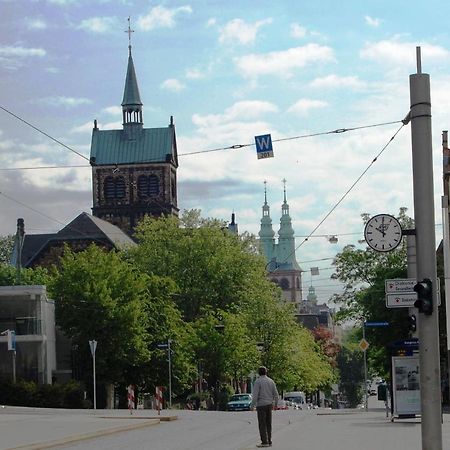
{"x":286,"y":239}
{"x":266,"y":233}
{"x":131,"y":103}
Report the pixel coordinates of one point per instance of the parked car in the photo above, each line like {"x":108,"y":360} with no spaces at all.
{"x":240,"y":402}
{"x":282,"y":404}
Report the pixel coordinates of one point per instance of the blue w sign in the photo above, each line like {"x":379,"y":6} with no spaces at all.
{"x":264,"y":146}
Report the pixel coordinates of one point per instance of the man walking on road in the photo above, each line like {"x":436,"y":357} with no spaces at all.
{"x":265,"y":396}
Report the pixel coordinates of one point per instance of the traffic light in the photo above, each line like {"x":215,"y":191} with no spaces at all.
{"x":424,"y":300}
{"x":412,"y":323}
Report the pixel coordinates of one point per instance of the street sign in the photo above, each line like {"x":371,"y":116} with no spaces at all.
{"x":264,"y":146}
{"x":363,"y":345}
{"x":162,"y":346}
{"x":400,"y":285}
{"x":402,"y":300}
{"x":376,"y":324}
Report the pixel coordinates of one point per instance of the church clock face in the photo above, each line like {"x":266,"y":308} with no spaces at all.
{"x":383,"y":233}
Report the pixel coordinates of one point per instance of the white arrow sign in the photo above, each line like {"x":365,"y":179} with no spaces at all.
{"x":400,"y":285}
{"x":402,"y":300}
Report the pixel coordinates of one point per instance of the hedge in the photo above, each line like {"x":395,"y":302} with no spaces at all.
{"x":28,"y":393}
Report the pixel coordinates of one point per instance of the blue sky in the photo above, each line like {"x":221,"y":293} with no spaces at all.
{"x":226,"y":71}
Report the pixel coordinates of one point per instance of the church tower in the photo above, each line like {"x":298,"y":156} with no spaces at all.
{"x":134,"y":170}
{"x":282,"y":265}
{"x":266,"y":233}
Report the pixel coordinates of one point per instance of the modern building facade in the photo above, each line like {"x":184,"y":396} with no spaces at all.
{"x":28,"y":312}
{"x":134,"y":169}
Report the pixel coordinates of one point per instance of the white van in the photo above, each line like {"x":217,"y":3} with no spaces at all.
{"x":296,"y":397}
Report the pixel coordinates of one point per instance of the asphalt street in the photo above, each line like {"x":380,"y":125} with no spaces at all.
{"x":34,"y":429}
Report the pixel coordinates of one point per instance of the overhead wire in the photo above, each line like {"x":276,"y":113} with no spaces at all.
{"x":344,"y":195}
{"x":230,"y":147}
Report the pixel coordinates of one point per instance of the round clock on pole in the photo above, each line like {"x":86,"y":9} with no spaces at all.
{"x":383,"y":233}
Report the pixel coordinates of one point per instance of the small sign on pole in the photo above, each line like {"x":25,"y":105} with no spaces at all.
{"x":264,"y":147}
{"x":11,"y":340}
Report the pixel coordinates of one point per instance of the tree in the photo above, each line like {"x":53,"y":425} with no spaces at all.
{"x":212,"y":268}
{"x":364,"y":273}
{"x":6,"y":248}
{"x":100,"y":296}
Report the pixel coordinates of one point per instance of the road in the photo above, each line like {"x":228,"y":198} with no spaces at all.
{"x":204,"y":430}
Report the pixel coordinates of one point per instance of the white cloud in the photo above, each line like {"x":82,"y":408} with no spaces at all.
{"x":35,"y":23}
{"x":237,"y":30}
{"x":241,"y":111}
{"x":211,"y":22}
{"x":396,"y":53}
{"x":297,"y":31}
{"x":62,"y":2}
{"x":98,"y":24}
{"x":69,"y":102}
{"x":172,"y":84}
{"x":372,"y":22}
{"x":113,"y":110}
{"x":194,"y":74}
{"x":335,"y":81}
{"x":21,"y":52}
{"x":161,"y":17}
{"x":305,"y":105}
{"x":85,"y":128}
{"x":283,"y":63}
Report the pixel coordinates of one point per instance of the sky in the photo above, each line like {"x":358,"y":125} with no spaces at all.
{"x":226,"y":72}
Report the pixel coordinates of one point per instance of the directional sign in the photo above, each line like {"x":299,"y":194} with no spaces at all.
{"x":93,"y":346}
{"x":163,"y":346}
{"x":376,"y":324}
{"x":402,"y":300}
{"x":400,"y":285}
{"x":264,"y":146}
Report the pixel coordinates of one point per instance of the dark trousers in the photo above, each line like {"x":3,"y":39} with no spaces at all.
{"x":265,"y":423}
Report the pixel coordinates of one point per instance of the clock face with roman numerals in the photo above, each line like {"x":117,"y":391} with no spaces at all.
{"x":383,"y":233}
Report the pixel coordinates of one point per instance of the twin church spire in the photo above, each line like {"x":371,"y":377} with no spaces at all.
{"x":281,"y":255}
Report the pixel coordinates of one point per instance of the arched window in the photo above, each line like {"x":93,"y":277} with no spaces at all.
{"x":153,"y":185}
{"x":284,"y":284}
{"x":148,"y":186}
{"x":114,"y":187}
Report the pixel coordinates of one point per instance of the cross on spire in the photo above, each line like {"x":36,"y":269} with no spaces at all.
{"x":265,"y":192}
{"x":284,"y":188}
{"x":129,"y":31}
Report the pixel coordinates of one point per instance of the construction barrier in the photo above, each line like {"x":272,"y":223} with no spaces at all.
{"x":159,"y":398}
{"x":131,"y":398}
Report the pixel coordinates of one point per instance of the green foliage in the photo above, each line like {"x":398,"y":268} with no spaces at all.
{"x":100,"y":296}
{"x":351,"y":368}
{"x":37,"y":276}
{"x":28,"y":393}
{"x":364,"y":273}
{"x":6,"y":248}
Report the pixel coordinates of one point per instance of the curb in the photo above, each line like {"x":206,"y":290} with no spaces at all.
{"x":86,"y":436}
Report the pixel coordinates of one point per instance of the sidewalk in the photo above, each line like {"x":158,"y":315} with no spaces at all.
{"x":36,"y":428}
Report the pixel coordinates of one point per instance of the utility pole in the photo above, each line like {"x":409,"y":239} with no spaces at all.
{"x":169,"y":351}
{"x":422,"y":159}
{"x":93,"y":347}
{"x":446,"y":240}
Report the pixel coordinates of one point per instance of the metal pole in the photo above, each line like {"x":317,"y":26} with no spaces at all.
{"x":14,"y":365}
{"x":430,"y":393}
{"x":366,"y":402}
{"x":170,"y":372}
{"x":93,"y":374}
{"x":446,"y":240}
{"x":411,"y":258}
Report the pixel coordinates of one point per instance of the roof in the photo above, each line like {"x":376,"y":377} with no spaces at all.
{"x":131,"y":95}
{"x":152,"y":145}
{"x":83,"y":227}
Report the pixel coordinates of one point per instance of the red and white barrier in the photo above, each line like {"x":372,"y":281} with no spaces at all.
{"x":131,"y":403}
{"x":159,"y":398}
